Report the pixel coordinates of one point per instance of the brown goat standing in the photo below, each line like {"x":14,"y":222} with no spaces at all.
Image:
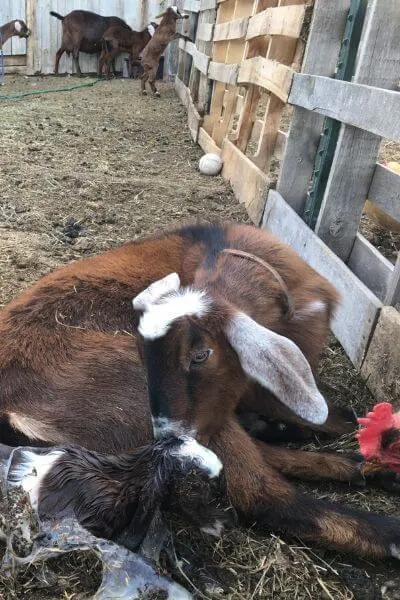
{"x":117,"y":40}
{"x":71,"y":371}
{"x":14,"y":28}
{"x":166,"y":32}
{"x":82,"y":32}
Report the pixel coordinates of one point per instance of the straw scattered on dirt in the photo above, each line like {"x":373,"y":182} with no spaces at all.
{"x":84,"y":170}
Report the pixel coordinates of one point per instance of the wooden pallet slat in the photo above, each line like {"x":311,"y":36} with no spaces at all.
{"x":191,"y":6}
{"x":370,"y":266}
{"x":232,"y":30}
{"x":366,"y":107}
{"x":393,"y":292}
{"x":359,"y":308}
{"x":281,"y":20}
{"x":182,"y":91}
{"x":268,"y":74}
{"x":225,"y":73}
{"x":208,"y":4}
{"x":248,"y":182}
{"x":205,"y":32}
{"x":206,"y":142}
{"x":385,"y":191}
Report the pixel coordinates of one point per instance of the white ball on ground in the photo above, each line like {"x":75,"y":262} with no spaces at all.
{"x":210,"y":164}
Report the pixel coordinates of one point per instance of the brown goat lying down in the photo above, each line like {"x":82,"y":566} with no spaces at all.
{"x":226,"y":318}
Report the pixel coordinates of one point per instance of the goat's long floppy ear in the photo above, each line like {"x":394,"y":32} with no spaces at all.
{"x":277,"y":364}
{"x":151,"y":294}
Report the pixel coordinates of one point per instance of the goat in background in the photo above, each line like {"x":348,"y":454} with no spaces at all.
{"x":14,"y":28}
{"x":165,"y":33}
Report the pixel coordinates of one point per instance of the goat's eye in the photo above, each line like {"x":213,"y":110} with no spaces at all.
{"x":200,"y":356}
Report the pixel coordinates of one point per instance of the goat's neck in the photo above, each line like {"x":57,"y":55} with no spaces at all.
{"x":6,"y":32}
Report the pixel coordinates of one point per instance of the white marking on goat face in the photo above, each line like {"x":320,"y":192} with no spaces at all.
{"x":18,"y":26}
{"x":156,"y":290}
{"x":395,"y":551}
{"x":151,"y":29}
{"x":158,"y":318}
{"x":31,"y":471}
{"x":204,"y":458}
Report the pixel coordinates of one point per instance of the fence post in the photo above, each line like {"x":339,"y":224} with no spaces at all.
{"x":322,"y":51}
{"x":347,"y":188}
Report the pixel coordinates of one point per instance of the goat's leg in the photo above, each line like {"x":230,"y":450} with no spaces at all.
{"x":59,"y":54}
{"x":75,"y":57}
{"x":152,"y":81}
{"x":261,"y":494}
{"x":102,"y":60}
{"x":328,"y":466}
{"x":144,"y":78}
{"x":341,"y":420}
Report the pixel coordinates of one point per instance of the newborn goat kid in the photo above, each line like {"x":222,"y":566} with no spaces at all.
{"x":165,"y":33}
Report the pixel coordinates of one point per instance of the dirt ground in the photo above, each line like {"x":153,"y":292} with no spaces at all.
{"x":87,"y":169}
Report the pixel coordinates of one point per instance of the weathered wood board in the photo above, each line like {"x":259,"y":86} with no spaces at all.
{"x":362,"y":106}
{"x":359,"y":308}
{"x":321,"y":55}
{"x":248,"y":182}
{"x":385,"y":191}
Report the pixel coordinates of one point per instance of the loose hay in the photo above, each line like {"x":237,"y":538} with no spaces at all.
{"x":83,"y":171}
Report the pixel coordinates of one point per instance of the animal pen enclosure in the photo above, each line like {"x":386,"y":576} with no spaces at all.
{"x":235,"y":81}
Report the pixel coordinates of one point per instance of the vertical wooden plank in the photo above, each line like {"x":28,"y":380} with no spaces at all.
{"x":283,"y":50}
{"x":393,"y":292}
{"x":347,"y":187}
{"x":32,"y":43}
{"x":256,"y":47}
{"x":219,"y":51}
{"x":324,"y":40}
{"x":207,"y":16}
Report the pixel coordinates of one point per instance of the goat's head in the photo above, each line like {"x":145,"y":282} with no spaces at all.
{"x":21,"y":29}
{"x":175,"y":12}
{"x":201,"y":354}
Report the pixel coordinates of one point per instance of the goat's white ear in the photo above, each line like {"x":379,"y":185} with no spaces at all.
{"x":277,"y":364}
{"x":153,"y":293}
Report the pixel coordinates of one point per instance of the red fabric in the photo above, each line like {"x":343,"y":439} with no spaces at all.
{"x":380,"y":420}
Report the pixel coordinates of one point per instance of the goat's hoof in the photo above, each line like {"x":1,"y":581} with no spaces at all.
{"x":381,"y":477}
{"x":144,"y":93}
{"x":157,"y":94}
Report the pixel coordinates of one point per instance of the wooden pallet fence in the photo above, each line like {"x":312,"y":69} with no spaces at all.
{"x":366,"y":108}
{"x":254,"y":43}
{"x":251,"y":60}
